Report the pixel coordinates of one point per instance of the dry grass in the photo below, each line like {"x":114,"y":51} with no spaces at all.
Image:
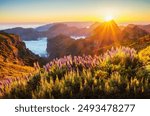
{"x":10,"y":70}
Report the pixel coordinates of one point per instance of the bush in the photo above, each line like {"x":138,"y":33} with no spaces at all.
{"x":119,"y":73}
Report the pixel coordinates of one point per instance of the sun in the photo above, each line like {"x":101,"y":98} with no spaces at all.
{"x":108,"y":18}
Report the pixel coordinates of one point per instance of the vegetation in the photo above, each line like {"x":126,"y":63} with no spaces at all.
{"x":119,"y":73}
{"x":10,"y":70}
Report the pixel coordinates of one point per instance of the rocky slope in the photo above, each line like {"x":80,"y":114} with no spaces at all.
{"x":15,"y":59}
{"x":13,"y":50}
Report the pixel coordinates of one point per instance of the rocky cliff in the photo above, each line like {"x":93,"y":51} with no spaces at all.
{"x":12,"y":49}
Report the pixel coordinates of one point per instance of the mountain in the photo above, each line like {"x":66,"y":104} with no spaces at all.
{"x":51,"y":30}
{"x":58,"y":46}
{"x":141,"y":43}
{"x":16,"y":60}
{"x":66,"y":30}
{"x":145,"y":27}
{"x":62,"y":45}
{"x":133,"y":32}
{"x":106,"y":33}
{"x":44,"y":27}
{"x":70,"y":24}
{"x":95,"y":25}
{"x":103,"y":37}
{"x":25,"y":33}
{"x":78,"y":24}
{"x":13,"y":50}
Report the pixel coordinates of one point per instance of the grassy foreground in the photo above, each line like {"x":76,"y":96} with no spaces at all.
{"x":119,"y":73}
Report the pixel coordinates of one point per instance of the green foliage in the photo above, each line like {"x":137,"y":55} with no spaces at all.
{"x":145,"y":55}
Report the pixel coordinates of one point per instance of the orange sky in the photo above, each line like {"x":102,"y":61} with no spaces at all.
{"x":123,"y":11}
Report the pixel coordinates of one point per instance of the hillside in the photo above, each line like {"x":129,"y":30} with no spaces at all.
{"x":9,"y":70}
{"x":12,"y":49}
{"x":59,"y":46}
{"x":15,"y":59}
{"x":106,"y":33}
{"x":133,"y":32}
{"x":145,"y":27}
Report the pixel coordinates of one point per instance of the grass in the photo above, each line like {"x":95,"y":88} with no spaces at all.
{"x":10,"y":70}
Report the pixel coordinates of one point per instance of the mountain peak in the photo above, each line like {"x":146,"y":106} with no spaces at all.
{"x":131,"y":25}
{"x":133,"y":32}
{"x":107,"y":33}
{"x":110,"y":21}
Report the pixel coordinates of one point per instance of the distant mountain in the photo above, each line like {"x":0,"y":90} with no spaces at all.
{"x":95,"y":25}
{"x":51,"y":30}
{"x":44,"y":27}
{"x":70,"y":24}
{"x":13,"y":50}
{"x":145,"y":27}
{"x":78,"y":24}
{"x":64,"y":29}
{"x":99,"y":37}
{"x":103,"y":37}
{"x":121,"y":27}
{"x":25,"y":33}
{"x":62,"y":45}
{"x":106,"y":33}
{"x":133,"y":32}
{"x":141,"y":43}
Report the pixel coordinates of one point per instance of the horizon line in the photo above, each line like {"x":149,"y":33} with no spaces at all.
{"x":50,"y":22}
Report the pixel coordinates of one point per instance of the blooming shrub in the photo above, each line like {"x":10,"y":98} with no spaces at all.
{"x":119,"y":73}
{"x":145,"y":55}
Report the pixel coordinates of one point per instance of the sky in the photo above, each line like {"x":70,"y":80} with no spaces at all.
{"x":44,"y":11}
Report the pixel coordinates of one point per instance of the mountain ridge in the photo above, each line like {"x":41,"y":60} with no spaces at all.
{"x":103,"y":38}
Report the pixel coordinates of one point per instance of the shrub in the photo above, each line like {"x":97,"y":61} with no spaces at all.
{"x":119,"y":73}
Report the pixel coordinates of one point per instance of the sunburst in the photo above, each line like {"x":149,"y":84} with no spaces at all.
{"x":108,"y":18}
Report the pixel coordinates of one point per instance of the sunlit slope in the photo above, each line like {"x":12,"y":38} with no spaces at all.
{"x":107,"y":33}
{"x":13,"y":71}
{"x":15,"y":58}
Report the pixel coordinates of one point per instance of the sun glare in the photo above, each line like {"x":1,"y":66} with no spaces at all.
{"x":108,"y":18}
